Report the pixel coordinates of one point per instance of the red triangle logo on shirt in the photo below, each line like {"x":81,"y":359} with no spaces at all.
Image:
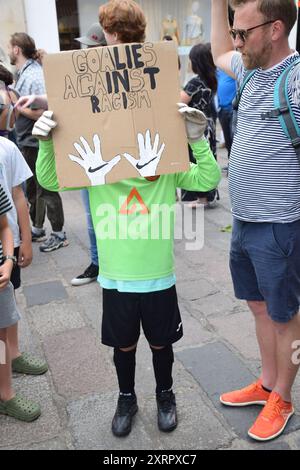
{"x":134,"y":195}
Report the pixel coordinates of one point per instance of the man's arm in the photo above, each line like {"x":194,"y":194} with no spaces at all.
{"x":25,"y":252}
{"x":221,"y":42}
{"x":40,"y":101}
{"x":33,"y":114}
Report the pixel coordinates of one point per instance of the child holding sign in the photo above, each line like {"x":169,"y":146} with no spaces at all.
{"x":136,"y":264}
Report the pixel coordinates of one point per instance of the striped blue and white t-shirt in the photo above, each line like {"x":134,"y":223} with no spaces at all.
{"x":264,"y":175}
{"x":5,"y":206}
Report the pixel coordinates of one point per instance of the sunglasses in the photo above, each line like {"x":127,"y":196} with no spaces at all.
{"x":243,"y":33}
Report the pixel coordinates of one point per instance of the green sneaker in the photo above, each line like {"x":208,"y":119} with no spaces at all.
{"x":27,"y":364}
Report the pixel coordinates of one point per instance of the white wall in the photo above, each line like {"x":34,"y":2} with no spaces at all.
{"x":41,"y":21}
{"x":11,"y":21}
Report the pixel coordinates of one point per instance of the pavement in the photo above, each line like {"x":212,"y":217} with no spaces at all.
{"x":78,"y":395}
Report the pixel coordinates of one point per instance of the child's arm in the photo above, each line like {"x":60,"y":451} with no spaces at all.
{"x":25,"y":252}
{"x":45,"y":166}
{"x":203,"y":176}
{"x":7,"y":241}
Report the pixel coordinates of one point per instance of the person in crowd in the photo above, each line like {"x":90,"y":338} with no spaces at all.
{"x":8,"y":99}
{"x":11,"y":404}
{"x":264,"y":181}
{"x":200,"y":93}
{"x":93,"y":38}
{"x":30,"y":80}
{"x":226,"y":94}
{"x":136,"y":292}
{"x":14,"y":172}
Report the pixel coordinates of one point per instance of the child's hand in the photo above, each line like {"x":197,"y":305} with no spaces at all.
{"x":44,"y":125}
{"x":25,"y":254}
{"x":92,"y":162}
{"x":149,"y":156}
{"x":5,"y":273}
{"x":195,"y":122}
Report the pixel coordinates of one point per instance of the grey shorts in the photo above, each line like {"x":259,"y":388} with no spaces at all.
{"x":9,"y":314}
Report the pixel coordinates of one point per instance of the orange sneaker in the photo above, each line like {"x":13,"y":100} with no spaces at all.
{"x":272,"y":419}
{"x":254,"y":394}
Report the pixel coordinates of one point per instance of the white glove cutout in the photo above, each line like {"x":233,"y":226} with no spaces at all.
{"x":149,"y":156}
{"x":92,"y":162}
{"x":195,"y":122}
{"x":44,"y":125}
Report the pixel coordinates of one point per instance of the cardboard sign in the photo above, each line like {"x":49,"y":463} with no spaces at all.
{"x":116,"y":109}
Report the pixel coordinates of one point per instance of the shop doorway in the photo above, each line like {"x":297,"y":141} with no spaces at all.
{"x":68,"y":24}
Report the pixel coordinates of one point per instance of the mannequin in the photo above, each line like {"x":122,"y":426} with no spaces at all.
{"x":193,"y":30}
{"x":170,"y":28}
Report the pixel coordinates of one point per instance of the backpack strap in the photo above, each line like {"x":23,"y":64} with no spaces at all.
{"x":286,"y":115}
{"x":248,"y":74}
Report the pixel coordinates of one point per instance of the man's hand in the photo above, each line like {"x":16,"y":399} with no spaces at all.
{"x":149,"y":156}
{"x":92,"y":162}
{"x":5,"y":273}
{"x":25,"y":254}
{"x":44,"y":125}
{"x":195,"y":122}
{"x":39,"y":101}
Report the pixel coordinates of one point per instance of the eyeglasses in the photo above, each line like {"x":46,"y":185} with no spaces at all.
{"x":243,"y":33}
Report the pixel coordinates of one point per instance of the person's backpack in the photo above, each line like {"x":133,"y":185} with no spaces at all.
{"x":282,"y":106}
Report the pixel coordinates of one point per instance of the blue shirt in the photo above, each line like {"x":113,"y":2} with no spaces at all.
{"x":226,"y":89}
{"x":152,"y":285}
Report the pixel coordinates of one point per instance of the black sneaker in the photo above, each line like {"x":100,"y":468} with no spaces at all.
{"x":40,"y":237}
{"x":122,"y":420}
{"x":89,"y":275}
{"x":166,"y":411}
{"x":212,"y":198}
{"x":54,"y":242}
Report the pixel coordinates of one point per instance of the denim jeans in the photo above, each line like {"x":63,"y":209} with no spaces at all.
{"x":90,"y":227}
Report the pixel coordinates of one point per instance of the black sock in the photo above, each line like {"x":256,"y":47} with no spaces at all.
{"x":125,"y":367}
{"x":266,"y":389}
{"x":162,"y":364}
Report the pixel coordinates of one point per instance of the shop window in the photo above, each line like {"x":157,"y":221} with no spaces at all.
{"x":68,"y":24}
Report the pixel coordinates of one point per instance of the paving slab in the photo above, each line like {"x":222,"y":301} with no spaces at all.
{"x":278,"y":444}
{"x":60,"y":317}
{"x":44,"y":293}
{"x":54,"y":444}
{"x":78,"y":364}
{"x":90,"y":424}
{"x":198,"y":427}
{"x":194,"y":290}
{"x":217,"y":370}
{"x":239,"y":330}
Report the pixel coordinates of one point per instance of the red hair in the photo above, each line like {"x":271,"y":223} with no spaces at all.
{"x":125,"y":18}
